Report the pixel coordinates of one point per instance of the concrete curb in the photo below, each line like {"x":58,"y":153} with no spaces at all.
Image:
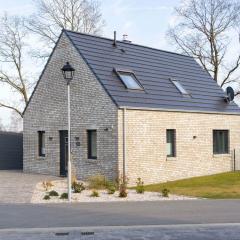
{"x":107,"y":228}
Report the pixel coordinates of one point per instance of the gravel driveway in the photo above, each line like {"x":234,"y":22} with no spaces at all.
{"x":18,"y":187}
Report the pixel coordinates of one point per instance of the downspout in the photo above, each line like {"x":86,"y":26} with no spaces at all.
{"x":124,"y":144}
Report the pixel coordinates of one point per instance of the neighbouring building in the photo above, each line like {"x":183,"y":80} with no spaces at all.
{"x":158,"y":112}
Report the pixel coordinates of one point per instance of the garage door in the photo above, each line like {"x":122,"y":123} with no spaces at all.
{"x":11,"y":150}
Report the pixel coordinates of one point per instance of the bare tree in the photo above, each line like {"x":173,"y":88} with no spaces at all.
{"x":1,"y":125}
{"x":12,"y":74}
{"x":76,"y":15}
{"x":16,"y":123}
{"x":204,"y":31}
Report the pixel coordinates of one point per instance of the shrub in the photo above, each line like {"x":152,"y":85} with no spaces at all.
{"x":77,"y":187}
{"x":46,"y":197}
{"x":47,"y":185}
{"x":97,"y":182}
{"x":140,"y":186}
{"x":53,"y":193}
{"x":94,"y":193}
{"x":165,"y":192}
{"x":64,"y":196}
{"x":123,"y":187}
{"x":111,"y":189}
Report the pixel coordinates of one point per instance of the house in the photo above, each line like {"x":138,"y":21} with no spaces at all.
{"x":158,"y":115}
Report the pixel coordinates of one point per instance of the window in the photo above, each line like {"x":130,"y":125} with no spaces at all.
{"x":171,"y":142}
{"x":92,"y":144}
{"x":180,"y":87}
{"x":220,"y":141}
{"x":41,"y":144}
{"x":129,"y":80}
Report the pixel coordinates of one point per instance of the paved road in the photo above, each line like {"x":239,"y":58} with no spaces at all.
{"x":119,"y":214}
{"x":17,"y":187}
{"x":186,"y":232}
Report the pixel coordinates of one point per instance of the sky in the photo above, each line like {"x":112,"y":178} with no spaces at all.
{"x":144,"y":21}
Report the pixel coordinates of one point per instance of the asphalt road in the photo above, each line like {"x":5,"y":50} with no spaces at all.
{"x":119,"y":214}
{"x":183,"y":232}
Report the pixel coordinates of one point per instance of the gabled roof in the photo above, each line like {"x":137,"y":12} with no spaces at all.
{"x":153,"y":69}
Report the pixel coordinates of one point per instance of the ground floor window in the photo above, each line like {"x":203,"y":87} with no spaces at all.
{"x":220,"y":141}
{"x":171,"y":142}
{"x":92,"y":144}
{"x":41,"y":144}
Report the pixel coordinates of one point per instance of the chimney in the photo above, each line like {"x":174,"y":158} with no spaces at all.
{"x":115,"y":39}
{"x":125,"y":38}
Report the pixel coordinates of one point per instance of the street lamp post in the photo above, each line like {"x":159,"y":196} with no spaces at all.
{"x":68,"y":73}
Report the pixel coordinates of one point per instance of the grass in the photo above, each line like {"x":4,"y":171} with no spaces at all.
{"x":218,"y":186}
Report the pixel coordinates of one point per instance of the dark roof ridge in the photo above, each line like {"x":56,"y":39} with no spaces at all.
{"x":135,"y":44}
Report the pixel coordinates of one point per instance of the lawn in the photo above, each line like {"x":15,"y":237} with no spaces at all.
{"x":218,"y":186}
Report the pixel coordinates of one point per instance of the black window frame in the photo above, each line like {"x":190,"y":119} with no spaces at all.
{"x":174,"y":149}
{"x":41,"y":136}
{"x":222,"y":147}
{"x":130,"y":73}
{"x":89,"y":143}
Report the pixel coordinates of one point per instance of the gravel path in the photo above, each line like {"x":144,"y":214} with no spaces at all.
{"x":18,"y":187}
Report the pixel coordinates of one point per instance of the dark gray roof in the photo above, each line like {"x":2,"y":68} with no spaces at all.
{"x":153,"y":68}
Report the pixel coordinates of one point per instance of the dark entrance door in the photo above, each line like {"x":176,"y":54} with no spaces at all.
{"x":63,"y":152}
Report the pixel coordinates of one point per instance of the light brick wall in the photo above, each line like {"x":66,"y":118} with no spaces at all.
{"x":146,"y":144}
{"x":91,"y":108}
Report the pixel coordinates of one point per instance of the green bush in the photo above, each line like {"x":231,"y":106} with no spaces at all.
{"x":111,"y":189}
{"x":46,"y":197}
{"x":64,"y":196}
{"x":98,"y":182}
{"x":53,"y":193}
{"x":94,"y":193}
{"x":77,"y":187}
{"x":165,"y":192}
{"x":140,"y":186}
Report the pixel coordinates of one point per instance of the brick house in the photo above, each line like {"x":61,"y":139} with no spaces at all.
{"x":156,"y":114}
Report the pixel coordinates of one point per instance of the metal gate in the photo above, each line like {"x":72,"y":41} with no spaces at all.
{"x":236,"y":159}
{"x":11,"y":150}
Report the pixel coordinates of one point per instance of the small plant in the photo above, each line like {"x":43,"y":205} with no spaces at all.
{"x":165,"y":192}
{"x":47,"y":185}
{"x":64,"y":196}
{"x":111,"y":189}
{"x":53,"y":193}
{"x":46,"y":197}
{"x":97,"y":182}
{"x":77,"y":187}
{"x":94,"y":193}
{"x":140,"y":186}
{"x":123,"y":187}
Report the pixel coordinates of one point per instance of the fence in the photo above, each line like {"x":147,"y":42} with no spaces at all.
{"x":11,"y":150}
{"x":236,"y":159}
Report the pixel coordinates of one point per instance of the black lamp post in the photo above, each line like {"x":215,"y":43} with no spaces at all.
{"x":68,"y":73}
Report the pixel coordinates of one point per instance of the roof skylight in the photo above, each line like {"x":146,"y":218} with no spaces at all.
{"x":180,"y":87}
{"x":129,"y":80}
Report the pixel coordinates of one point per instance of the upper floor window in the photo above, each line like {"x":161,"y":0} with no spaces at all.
{"x":129,"y":80}
{"x":171,"y":142}
{"x":180,"y":87}
{"x":41,"y":144}
{"x":92,"y":144}
{"x":220,"y":141}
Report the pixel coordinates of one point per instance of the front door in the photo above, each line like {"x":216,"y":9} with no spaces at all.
{"x":63,"y":152}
